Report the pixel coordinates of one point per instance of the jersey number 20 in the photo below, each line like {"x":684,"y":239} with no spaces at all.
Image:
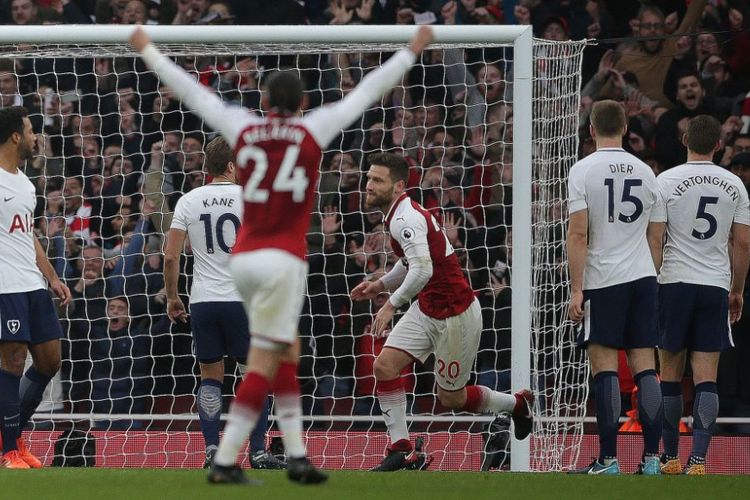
{"x":290,"y":177}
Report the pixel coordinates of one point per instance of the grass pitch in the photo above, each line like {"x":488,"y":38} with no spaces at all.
{"x":156,"y":484}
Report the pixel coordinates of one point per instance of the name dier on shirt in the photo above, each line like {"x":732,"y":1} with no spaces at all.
{"x":698,"y":180}
{"x":620,"y":168}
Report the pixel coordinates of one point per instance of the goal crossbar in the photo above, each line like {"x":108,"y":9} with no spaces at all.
{"x":108,"y":34}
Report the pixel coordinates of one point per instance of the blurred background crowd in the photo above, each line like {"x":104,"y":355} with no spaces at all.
{"x":117,"y":150}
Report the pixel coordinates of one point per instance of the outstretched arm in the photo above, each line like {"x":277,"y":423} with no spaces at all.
{"x":229,"y":120}
{"x":372,"y":88}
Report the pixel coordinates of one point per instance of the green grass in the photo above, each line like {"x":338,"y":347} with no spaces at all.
{"x":148,"y":484}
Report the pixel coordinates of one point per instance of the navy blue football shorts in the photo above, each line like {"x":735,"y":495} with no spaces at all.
{"x":29,"y":317}
{"x":622,"y":316}
{"x":219,"y":329}
{"x":694,"y":317}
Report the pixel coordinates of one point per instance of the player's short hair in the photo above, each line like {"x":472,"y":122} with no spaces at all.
{"x":608,"y":118}
{"x":285,"y":91}
{"x":396,"y":165}
{"x":11,"y":121}
{"x":703,"y":132}
{"x":218,"y":155}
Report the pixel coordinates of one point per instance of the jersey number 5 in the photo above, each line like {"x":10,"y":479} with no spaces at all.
{"x":289,"y":178}
{"x":627,"y":196}
{"x":702,"y":214}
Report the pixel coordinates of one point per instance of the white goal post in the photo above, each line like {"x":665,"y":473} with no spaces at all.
{"x":544,"y":146}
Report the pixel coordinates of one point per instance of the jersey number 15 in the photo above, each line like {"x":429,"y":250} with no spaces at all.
{"x":627,"y":197}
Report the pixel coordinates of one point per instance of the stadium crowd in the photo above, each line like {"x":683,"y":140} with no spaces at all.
{"x":118,"y":150}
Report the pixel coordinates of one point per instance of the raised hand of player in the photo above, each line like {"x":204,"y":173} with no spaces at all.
{"x":735,"y":307}
{"x":421,"y":40}
{"x":575,"y":309}
{"x":368,"y":290}
{"x":176,"y":311}
{"x":139,"y":39}
{"x":61,"y":291}
{"x":383,"y":319}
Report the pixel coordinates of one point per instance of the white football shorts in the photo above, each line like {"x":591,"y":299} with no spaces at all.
{"x":272,"y":284}
{"x":454,"y":340}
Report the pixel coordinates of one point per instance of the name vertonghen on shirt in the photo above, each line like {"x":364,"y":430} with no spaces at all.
{"x":698,"y":180}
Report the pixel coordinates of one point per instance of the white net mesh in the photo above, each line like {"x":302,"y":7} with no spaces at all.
{"x":559,"y":370}
{"x":119,"y":150}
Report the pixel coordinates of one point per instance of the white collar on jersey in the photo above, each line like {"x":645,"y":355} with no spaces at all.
{"x":393,"y":207}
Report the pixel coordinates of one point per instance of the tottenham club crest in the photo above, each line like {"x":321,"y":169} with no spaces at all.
{"x":407,"y":233}
{"x":13,"y":326}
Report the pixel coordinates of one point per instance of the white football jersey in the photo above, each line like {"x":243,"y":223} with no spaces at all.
{"x":18,"y":269}
{"x":703,"y":201}
{"x":211,"y":216}
{"x":621,"y":196}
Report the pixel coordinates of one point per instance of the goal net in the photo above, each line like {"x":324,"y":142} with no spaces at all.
{"x":117,"y":149}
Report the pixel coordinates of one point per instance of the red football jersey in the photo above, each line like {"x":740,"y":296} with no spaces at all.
{"x":278,"y":162}
{"x":448,"y":292}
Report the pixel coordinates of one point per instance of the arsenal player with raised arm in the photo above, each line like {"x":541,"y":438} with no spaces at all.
{"x":445,"y":319}
{"x":279,"y":157}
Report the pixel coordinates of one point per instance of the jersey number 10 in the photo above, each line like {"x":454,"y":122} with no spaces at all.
{"x":208,"y":226}
{"x":289,"y":178}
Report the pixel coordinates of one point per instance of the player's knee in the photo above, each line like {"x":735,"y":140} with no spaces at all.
{"x":452,"y":400}
{"x":384,"y":370}
{"x":13,"y":358}
{"x":49,"y":367}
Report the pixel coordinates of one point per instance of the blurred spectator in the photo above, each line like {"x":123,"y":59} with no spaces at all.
{"x":78,"y":213}
{"x":650,"y":59}
{"x":135,"y":12}
{"x":740,"y":166}
{"x":9,"y":95}
{"x":691,"y":100}
{"x":23,"y":12}
{"x":111,"y":364}
{"x":190,"y":11}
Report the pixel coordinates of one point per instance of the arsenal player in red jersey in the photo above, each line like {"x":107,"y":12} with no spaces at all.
{"x":278,"y":156}
{"x":446,"y":318}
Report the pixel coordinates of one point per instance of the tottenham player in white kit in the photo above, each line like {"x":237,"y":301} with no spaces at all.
{"x":28,"y":320}
{"x":446,"y":318}
{"x":613,"y":203}
{"x":700,"y":291}
{"x":210,"y":217}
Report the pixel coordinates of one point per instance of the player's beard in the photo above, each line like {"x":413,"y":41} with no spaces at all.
{"x":379,"y":201}
{"x":25,"y":151}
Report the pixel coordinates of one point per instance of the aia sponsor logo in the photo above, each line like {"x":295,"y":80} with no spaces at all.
{"x":23,"y":223}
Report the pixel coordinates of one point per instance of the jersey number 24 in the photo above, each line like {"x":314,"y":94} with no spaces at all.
{"x":290,"y":177}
